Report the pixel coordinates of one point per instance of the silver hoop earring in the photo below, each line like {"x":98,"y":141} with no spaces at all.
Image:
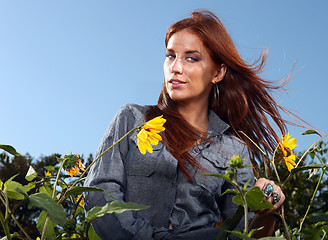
{"x":216,"y":91}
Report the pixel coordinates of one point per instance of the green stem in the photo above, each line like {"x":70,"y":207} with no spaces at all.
{"x":324,"y":235}
{"x":242,"y":193}
{"x":5,"y":226}
{"x":44,"y":228}
{"x":282,"y":216}
{"x":86,"y":170}
{"x":18,"y":224}
{"x":312,"y":199}
{"x":57,"y":178}
{"x":13,"y":217}
{"x":246,"y":214}
{"x":4,"y":219}
{"x":284,"y":223}
{"x":53,"y":196}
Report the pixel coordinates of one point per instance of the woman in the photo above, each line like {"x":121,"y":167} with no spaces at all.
{"x":209,"y":95}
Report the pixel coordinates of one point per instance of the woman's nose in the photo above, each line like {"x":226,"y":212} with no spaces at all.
{"x":176,"y":66}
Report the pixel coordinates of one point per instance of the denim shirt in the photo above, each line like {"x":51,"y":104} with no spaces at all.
{"x":193,"y":207}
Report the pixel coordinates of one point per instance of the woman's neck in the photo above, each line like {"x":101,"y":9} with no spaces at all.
{"x":196,"y":116}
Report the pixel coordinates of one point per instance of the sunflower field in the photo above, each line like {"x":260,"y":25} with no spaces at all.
{"x":44,"y":199}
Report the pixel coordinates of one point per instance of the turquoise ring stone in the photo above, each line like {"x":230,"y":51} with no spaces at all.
{"x":267,"y":190}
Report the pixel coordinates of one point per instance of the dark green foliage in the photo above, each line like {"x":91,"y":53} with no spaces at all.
{"x":12,"y":165}
{"x":300,"y":188}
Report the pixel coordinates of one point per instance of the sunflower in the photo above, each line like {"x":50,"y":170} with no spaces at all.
{"x":73,"y":165}
{"x":149,"y":134}
{"x":47,"y":174}
{"x":286,"y":146}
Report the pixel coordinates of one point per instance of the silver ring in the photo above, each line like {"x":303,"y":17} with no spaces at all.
{"x":276,"y":197}
{"x":267,"y":190}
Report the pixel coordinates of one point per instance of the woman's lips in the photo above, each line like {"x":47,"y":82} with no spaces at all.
{"x":176,"y":83}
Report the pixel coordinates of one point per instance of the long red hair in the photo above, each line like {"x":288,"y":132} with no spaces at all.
{"x":245,"y":102}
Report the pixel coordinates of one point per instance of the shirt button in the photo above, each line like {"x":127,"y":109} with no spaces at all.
{"x":172,"y":184}
{"x":197,"y":150}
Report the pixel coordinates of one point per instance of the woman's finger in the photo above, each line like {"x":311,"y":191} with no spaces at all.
{"x":272,"y":193}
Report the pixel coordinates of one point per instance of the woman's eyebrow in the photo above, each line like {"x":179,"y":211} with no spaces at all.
{"x":186,"y":52}
{"x":193,"y":51}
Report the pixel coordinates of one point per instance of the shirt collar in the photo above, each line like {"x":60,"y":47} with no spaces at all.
{"x":215,"y":124}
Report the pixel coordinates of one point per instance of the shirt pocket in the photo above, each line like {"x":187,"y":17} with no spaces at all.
{"x":215,"y":163}
{"x":140,"y":171}
{"x":139,"y":164}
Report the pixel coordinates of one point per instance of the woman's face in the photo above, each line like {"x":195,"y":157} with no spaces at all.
{"x":188,"y":68}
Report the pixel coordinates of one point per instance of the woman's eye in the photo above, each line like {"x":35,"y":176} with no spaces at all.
{"x":169,"y":55}
{"x":192,"y":59}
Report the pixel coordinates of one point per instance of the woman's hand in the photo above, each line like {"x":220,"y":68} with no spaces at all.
{"x":275,"y":195}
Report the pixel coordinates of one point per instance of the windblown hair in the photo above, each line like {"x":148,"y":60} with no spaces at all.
{"x":245,"y":102}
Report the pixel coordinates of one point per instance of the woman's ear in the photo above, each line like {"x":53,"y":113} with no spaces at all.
{"x":219,"y":75}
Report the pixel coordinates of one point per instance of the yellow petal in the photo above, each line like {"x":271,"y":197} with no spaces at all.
{"x":153,"y":141}
{"x":154,"y":138}
{"x":141,"y":147}
{"x":149,"y":134}
{"x":289,"y":162}
{"x":292,"y":143}
{"x":289,"y":142}
{"x":142,"y":135}
{"x":149,"y":148}
{"x":144,"y":146}
{"x":155,"y":124}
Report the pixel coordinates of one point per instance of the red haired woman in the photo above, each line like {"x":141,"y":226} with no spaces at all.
{"x":209,"y":95}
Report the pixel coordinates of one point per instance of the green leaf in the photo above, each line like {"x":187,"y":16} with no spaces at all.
{"x":242,"y":235}
{"x":16,"y":190}
{"x":78,"y":190}
{"x":234,"y":191}
{"x":50,"y":229}
{"x":273,"y":238}
{"x":238,"y":200}
{"x":253,"y":231}
{"x":246,"y":184}
{"x":8,"y":181}
{"x":10,"y":150}
{"x":13,"y":236}
{"x":92,"y":234}
{"x":1,"y":184}
{"x":15,"y":195}
{"x":50,"y":168}
{"x":310,"y":166}
{"x":318,"y":217}
{"x":225,"y":177}
{"x":255,"y":199}
{"x":311,"y":131}
{"x":29,"y":186}
{"x":47,"y":190}
{"x":43,"y":201}
{"x":230,"y":224}
{"x":31,"y":174}
{"x":113,"y":207}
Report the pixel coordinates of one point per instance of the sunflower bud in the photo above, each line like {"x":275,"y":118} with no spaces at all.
{"x":236,"y":162}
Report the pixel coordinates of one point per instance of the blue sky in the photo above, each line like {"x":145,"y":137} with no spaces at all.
{"x":66,"y":67}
